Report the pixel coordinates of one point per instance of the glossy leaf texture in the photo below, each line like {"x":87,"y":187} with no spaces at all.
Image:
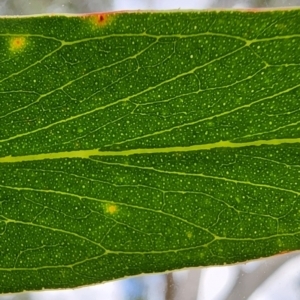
{"x":144,"y":142}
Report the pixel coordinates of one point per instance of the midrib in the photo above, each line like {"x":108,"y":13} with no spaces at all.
{"x":97,"y":152}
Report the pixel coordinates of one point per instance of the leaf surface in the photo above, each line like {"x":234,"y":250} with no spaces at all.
{"x":143,"y":142}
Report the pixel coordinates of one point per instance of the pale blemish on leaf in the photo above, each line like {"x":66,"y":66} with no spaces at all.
{"x":189,"y":235}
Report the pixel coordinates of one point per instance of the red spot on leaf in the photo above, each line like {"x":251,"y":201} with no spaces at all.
{"x":99,"y":19}
{"x":284,"y":252}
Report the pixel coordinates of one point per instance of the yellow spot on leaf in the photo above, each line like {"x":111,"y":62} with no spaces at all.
{"x":17,"y":43}
{"x":111,"y":208}
{"x":189,"y":234}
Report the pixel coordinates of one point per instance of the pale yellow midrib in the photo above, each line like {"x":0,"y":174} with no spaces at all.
{"x":96,"y":152}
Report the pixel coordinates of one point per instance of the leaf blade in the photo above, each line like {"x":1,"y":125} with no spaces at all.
{"x":143,"y":142}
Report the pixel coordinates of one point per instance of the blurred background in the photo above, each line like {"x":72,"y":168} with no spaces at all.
{"x":275,"y":278}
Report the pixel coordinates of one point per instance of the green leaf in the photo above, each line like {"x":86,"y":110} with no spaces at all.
{"x":143,"y":142}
